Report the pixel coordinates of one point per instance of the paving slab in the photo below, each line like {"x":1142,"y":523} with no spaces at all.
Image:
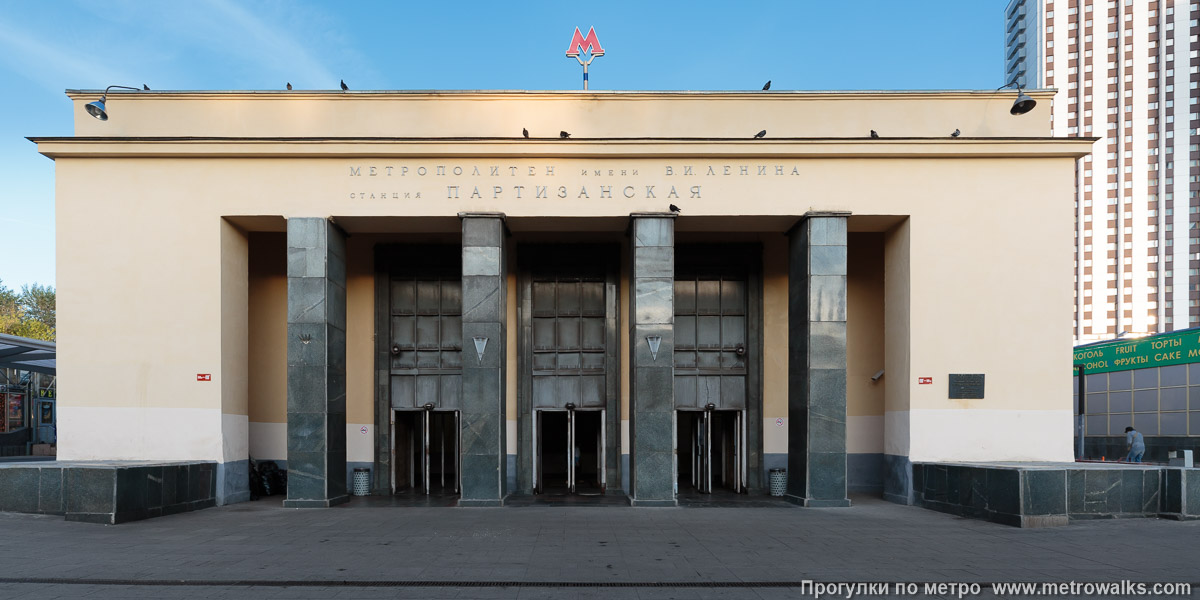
{"x":358,"y":550}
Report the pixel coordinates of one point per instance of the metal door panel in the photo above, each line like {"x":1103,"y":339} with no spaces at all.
{"x":592,"y":391}
{"x":685,"y":296}
{"x":451,"y":296}
{"x":708,"y":332}
{"x":403,"y":392}
{"x":568,"y":298}
{"x":451,"y":331}
{"x":544,"y":392}
{"x":544,"y":361}
{"x":732,"y":361}
{"x":428,"y":297}
{"x":543,"y":298}
{"x":685,"y":331}
{"x":429,"y":359}
{"x":685,"y":392}
{"x":451,"y":360}
{"x":733,"y":391}
{"x":593,"y":333}
{"x":708,"y":297}
{"x":733,"y":331}
{"x":568,"y":361}
{"x":404,"y":331}
{"x":592,"y":299}
{"x":406,"y":360}
{"x":429,"y":332}
{"x":710,"y":340}
{"x":709,"y":391}
{"x":451,"y":391}
{"x":708,"y":360}
{"x":568,"y":389}
{"x":404,"y":297}
{"x":591,"y":361}
{"x":427,"y":390}
{"x":568,"y":333}
{"x":543,"y":334}
{"x":733,"y":297}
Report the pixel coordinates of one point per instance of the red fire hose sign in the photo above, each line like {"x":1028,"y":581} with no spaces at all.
{"x":924,"y":381}
{"x":203,"y":376}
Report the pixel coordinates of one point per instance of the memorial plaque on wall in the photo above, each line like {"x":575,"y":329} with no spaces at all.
{"x":966,"y":386}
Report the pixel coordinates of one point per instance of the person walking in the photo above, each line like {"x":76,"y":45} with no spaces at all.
{"x":1134,"y":444}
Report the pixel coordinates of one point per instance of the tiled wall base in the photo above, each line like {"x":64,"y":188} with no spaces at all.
{"x":1051,"y":494}
{"x":107,"y":492}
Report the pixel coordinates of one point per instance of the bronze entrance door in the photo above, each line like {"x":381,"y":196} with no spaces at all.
{"x":425,"y":369}
{"x":712,"y":358}
{"x":567,"y":406}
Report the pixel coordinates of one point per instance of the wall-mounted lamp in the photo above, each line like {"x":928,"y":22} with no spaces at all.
{"x":480,"y":346}
{"x":1023,"y":103}
{"x":570,"y":406}
{"x":96,"y":109}
{"x":427,"y":406}
{"x":710,"y":406}
{"x":655,"y":341}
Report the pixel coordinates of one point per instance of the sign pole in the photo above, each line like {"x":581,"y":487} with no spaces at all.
{"x":588,"y":44}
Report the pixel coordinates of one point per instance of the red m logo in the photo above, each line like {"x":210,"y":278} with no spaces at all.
{"x":579,"y":43}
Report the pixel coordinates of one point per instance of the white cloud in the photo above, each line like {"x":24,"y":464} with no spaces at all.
{"x":51,"y":66}
{"x":270,"y":45}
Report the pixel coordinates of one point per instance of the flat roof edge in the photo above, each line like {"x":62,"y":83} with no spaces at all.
{"x":777,"y":94}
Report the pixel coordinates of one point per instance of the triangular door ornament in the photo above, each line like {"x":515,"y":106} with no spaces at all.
{"x":480,"y":346}
{"x":655,"y":341}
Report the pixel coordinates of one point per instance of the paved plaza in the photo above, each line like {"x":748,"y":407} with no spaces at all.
{"x":261,"y":550}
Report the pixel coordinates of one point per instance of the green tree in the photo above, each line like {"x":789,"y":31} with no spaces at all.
{"x":38,"y":301}
{"x":28,"y":314}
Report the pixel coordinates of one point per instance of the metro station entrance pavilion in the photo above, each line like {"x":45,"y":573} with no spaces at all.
{"x":659,"y":305}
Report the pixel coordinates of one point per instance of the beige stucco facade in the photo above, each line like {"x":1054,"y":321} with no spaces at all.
{"x":172,"y":252}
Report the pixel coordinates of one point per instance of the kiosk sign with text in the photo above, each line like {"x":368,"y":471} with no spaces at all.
{"x":1124,"y":355}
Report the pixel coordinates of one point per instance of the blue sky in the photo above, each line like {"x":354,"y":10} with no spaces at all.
{"x":47,"y":46}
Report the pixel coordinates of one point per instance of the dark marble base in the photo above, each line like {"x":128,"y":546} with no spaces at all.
{"x":654,"y":503}
{"x":816,"y":502}
{"x":605,"y":499}
{"x":1051,"y":494}
{"x":865,"y":473}
{"x":318,"y":503}
{"x":233,"y":482}
{"x":107,"y":492}
{"x":897,"y":479}
{"x":724,"y":498}
{"x":1181,"y":493}
{"x":480,"y":503}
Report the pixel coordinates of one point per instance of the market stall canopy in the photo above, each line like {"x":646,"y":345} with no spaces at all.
{"x":27,"y":354}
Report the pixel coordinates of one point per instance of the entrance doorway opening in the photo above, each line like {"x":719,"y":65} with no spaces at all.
{"x":710,"y":451}
{"x":426,"y":452}
{"x":570,"y":452}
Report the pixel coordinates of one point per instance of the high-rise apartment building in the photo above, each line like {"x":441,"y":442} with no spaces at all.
{"x":1126,"y":72}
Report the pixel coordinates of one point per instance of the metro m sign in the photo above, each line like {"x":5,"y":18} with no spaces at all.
{"x":579,"y":43}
